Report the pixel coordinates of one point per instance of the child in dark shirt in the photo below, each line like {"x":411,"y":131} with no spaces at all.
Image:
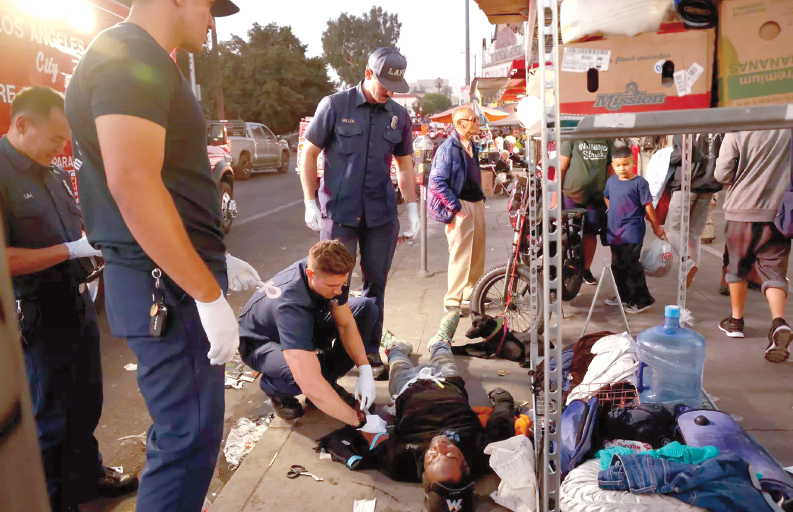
{"x":628,"y":197}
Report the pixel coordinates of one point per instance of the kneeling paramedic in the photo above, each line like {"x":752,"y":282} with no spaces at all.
{"x":288,"y":328}
{"x":437,"y":438}
{"x":57,"y":320}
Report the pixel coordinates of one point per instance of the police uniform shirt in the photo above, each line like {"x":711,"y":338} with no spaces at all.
{"x":126,"y":72}
{"x":286,"y":310}
{"x":40,"y":211}
{"x":359,"y":140}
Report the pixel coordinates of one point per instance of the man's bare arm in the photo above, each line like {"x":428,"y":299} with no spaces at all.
{"x":308,"y":170}
{"x":348,"y":334}
{"x":29,"y":261}
{"x":133,"y":151}
{"x":307,"y":372}
{"x":406,"y":177}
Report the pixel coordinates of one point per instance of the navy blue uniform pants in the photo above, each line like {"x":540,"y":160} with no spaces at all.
{"x":377,"y":247}
{"x":184,"y":393}
{"x":64,"y":370}
{"x":268,"y":358}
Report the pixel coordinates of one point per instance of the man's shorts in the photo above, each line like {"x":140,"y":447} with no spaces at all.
{"x":759,"y":245}
{"x":595,"y":218}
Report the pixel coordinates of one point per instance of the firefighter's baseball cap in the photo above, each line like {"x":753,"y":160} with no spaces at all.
{"x":389,"y":66}
{"x":223,"y":8}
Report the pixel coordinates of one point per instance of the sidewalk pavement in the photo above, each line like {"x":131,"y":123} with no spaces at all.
{"x":756,"y":392}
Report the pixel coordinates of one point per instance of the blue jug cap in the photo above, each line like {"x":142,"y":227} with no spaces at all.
{"x":672,"y":311}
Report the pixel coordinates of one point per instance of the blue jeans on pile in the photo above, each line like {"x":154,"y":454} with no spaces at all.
{"x":724,"y":483}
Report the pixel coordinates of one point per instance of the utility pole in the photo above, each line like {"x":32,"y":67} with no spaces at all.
{"x":467,"y":46}
{"x":218,"y":76}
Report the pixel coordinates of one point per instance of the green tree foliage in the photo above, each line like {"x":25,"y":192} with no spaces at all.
{"x":434,"y":103}
{"x":267,"y":79}
{"x":349,"y":40}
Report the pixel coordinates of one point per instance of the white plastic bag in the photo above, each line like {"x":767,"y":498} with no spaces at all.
{"x":657,"y":258}
{"x":513,"y":461}
{"x":611,"y":18}
{"x":658,"y":173}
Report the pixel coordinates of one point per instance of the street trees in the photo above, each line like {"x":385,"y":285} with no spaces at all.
{"x":348,"y":40}
{"x":266,"y":79}
{"x":434,"y":103}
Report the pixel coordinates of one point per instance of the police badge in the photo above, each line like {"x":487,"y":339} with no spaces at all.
{"x":394,"y":122}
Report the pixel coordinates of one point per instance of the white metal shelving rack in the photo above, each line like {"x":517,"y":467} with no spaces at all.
{"x":556,"y":128}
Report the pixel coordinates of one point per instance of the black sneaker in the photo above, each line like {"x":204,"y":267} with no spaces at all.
{"x":379,"y":370}
{"x":588,"y":277}
{"x":287,"y":407}
{"x":732,"y":326}
{"x":113,"y":483}
{"x":635,"y":309}
{"x":779,"y":338}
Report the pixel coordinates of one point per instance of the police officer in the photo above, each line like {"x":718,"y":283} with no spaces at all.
{"x":287,"y":331}
{"x":57,"y":319}
{"x":360,"y":130}
{"x":151,"y":205}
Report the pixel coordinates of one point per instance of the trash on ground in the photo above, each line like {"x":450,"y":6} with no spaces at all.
{"x":243,"y":438}
{"x":503,"y":373}
{"x":323,"y":455}
{"x":273,"y":460}
{"x":131,"y":439}
{"x":364,"y":505}
{"x":237,"y":373}
{"x":131,"y":367}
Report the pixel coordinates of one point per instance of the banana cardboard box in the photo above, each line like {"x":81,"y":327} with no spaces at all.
{"x":755,"y":52}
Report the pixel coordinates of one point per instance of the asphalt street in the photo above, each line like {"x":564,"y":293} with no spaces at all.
{"x":270,"y":234}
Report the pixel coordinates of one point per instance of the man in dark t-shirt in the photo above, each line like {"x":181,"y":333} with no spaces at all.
{"x":150,"y":204}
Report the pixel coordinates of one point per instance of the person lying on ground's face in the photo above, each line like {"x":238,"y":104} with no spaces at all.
{"x":623,"y":167}
{"x":444,"y":462}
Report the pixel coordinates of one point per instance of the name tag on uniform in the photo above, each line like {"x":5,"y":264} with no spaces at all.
{"x":345,"y":120}
{"x":394,"y":122}
{"x":68,"y":188}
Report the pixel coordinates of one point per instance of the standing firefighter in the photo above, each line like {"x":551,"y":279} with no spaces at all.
{"x":150,"y":203}
{"x":361,"y":130}
{"x":57,"y":319}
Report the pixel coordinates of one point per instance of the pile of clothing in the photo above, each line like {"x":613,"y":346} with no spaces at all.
{"x":636,"y":456}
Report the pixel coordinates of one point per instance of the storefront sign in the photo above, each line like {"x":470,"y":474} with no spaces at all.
{"x":507,"y":47}
{"x":498,"y":71}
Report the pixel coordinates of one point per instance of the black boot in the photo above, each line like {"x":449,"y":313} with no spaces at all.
{"x":287,"y":407}
{"x":114,"y":483}
{"x":379,"y":370}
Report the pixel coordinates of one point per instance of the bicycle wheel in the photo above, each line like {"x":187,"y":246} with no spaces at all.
{"x":488,"y":298}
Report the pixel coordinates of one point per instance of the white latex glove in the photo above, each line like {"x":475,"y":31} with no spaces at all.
{"x":241,"y":275}
{"x":364,"y":388}
{"x":220,"y":324}
{"x":415,"y":223}
{"x":374,"y":425}
{"x":313,"y":215}
{"x":82,"y":249}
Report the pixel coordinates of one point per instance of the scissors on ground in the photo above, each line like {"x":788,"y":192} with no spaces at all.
{"x":297,"y":470}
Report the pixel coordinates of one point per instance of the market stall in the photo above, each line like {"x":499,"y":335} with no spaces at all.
{"x":572,"y":421}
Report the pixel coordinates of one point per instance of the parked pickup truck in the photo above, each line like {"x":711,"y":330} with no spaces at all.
{"x":254,"y":147}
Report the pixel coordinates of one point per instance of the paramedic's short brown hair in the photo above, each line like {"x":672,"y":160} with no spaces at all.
{"x":36,"y":103}
{"x":331,"y":257}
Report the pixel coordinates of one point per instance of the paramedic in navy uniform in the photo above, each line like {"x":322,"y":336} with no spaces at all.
{"x":360,"y":130}
{"x":58,"y":325}
{"x":151,"y":205}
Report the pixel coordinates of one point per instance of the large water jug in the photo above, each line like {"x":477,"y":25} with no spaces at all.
{"x":671,"y":360}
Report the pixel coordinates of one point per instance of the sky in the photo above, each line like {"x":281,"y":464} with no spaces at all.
{"x":432,"y":37}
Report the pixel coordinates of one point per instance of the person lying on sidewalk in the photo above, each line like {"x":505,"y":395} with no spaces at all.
{"x":287,"y":332}
{"x":437,"y":438}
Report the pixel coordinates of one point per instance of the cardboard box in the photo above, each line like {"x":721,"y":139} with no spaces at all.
{"x":670,"y":70}
{"x":755,"y":52}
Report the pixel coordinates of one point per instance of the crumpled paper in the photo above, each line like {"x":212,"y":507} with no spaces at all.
{"x":513,"y":461}
{"x":243,"y":438}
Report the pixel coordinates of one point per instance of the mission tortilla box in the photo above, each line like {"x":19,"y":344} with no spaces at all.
{"x":755,"y":52}
{"x":669,"y":70}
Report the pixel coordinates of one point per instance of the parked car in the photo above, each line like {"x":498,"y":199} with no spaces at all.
{"x":255,"y":147}
{"x":219,"y":152}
